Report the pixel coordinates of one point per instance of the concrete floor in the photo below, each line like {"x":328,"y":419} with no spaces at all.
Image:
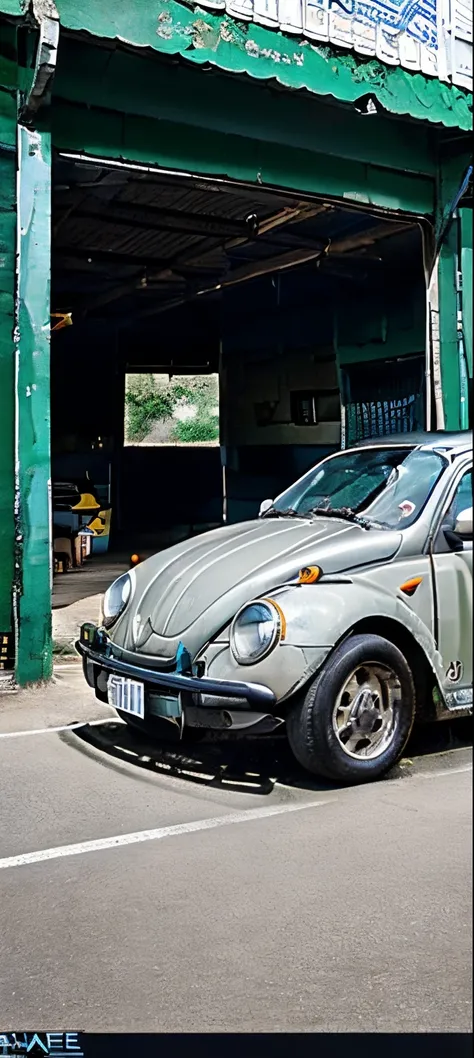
{"x":337,"y":910}
{"x":256,"y":900}
{"x":77,"y":594}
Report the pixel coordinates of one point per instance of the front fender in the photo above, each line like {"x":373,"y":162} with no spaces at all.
{"x":317,"y":618}
{"x":325,"y":612}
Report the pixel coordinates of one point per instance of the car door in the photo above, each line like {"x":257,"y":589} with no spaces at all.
{"x":452,"y":569}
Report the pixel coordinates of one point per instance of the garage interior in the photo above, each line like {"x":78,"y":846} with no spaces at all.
{"x":301,"y":306}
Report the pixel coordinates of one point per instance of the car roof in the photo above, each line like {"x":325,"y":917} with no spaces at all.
{"x":461,"y":440}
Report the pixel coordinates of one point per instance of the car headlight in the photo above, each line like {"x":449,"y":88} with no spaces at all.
{"x":116,"y":599}
{"x":256,"y":629}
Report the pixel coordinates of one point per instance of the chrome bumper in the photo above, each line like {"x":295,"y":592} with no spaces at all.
{"x":94,"y":647}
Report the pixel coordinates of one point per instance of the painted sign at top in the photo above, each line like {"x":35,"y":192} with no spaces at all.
{"x":433,"y":37}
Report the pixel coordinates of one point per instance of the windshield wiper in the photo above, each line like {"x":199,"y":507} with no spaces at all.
{"x":274,"y":512}
{"x":346,"y":514}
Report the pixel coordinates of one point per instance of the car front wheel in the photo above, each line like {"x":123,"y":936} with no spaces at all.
{"x":357,"y":715}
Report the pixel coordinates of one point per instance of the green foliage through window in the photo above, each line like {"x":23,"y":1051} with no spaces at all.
{"x":180,"y":410}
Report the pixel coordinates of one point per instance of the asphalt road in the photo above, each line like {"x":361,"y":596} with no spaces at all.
{"x":256,"y":900}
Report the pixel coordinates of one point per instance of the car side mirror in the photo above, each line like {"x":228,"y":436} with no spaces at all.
{"x":463,"y":526}
{"x":264,"y":507}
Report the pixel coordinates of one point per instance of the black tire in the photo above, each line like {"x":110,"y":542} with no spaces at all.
{"x":309,"y":723}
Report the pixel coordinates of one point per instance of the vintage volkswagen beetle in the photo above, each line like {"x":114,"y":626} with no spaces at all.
{"x":344,"y":611}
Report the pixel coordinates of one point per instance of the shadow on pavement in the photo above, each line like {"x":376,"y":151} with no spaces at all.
{"x":249,"y":765}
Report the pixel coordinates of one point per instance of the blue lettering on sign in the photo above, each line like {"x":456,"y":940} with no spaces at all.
{"x":417,"y":18}
{"x":434,"y":36}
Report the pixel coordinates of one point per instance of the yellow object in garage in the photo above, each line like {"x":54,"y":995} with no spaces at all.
{"x":100,"y":525}
{"x":99,"y":529}
{"x":87,"y":502}
{"x":64,"y":319}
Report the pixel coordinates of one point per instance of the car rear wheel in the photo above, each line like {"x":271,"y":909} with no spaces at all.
{"x":355,"y":720}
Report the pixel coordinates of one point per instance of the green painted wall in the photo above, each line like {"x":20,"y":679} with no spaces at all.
{"x":107,"y":134}
{"x":137,"y":107}
{"x":377,"y":328}
{"x":34,"y":659}
{"x":14,"y":7}
{"x":143,"y":85}
{"x":466,"y":270}
{"x":25,"y":187}
{"x":8,"y":115}
{"x":450,"y":374}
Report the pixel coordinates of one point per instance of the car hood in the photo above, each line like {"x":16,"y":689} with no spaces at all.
{"x":192,"y":590}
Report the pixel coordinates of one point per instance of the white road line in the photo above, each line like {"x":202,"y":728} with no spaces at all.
{"x":446,"y":771}
{"x":247,"y":816}
{"x":65,"y":727}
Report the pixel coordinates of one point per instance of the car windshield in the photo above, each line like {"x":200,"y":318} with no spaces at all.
{"x":389,"y":485}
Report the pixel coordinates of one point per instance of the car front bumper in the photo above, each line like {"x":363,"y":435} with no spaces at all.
{"x":250,"y":704}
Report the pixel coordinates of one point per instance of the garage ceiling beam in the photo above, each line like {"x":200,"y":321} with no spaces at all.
{"x":286,"y":216}
{"x":251,"y":271}
{"x":368,"y":238}
{"x":150,"y":270}
{"x":291,"y":259}
{"x":109,"y":257}
{"x":190,"y":224}
{"x":279,"y":263}
{"x":173,"y":271}
{"x":113,"y":294}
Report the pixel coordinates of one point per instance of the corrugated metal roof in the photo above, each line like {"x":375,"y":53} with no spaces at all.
{"x":150,"y":219}
{"x":131,"y":241}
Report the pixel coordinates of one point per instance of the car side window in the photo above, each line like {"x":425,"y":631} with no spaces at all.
{"x":461,"y":501}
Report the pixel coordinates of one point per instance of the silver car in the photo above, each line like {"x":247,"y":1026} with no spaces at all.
{"x":344,"y":612}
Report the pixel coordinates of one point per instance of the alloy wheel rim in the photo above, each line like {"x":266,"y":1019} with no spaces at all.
{"x":365,"y":713}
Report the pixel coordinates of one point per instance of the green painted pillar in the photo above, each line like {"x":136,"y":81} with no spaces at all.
{"x":8,"y":120}
{"x":452,"y":170}
{"x":449,"y":350}
{"x":8,"y":114}
{"x":466,"y":272}
{"x":32,"y":335}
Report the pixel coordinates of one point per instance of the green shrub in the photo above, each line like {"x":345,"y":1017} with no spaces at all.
{"x":192,"y":431}
{"x":147,"y":402}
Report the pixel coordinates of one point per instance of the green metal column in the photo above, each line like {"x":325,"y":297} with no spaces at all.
{"x":33,"y":590}
{"x":8,"y":118}
{"x":449,"y":353}
{"x":451,"y":174}
{"x":466,"y":272}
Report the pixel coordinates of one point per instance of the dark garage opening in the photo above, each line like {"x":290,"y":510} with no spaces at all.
{"x":304,"y":311}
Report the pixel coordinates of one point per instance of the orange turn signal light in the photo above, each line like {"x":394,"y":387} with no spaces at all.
{"x":309,"y":575}
{"x":410,"y":586}
{"x":135,"y":559}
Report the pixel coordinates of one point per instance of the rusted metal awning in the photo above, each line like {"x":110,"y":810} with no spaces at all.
{"x":296,"y":60}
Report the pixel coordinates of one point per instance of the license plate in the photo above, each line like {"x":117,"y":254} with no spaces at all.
{"x":127,"y":695}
